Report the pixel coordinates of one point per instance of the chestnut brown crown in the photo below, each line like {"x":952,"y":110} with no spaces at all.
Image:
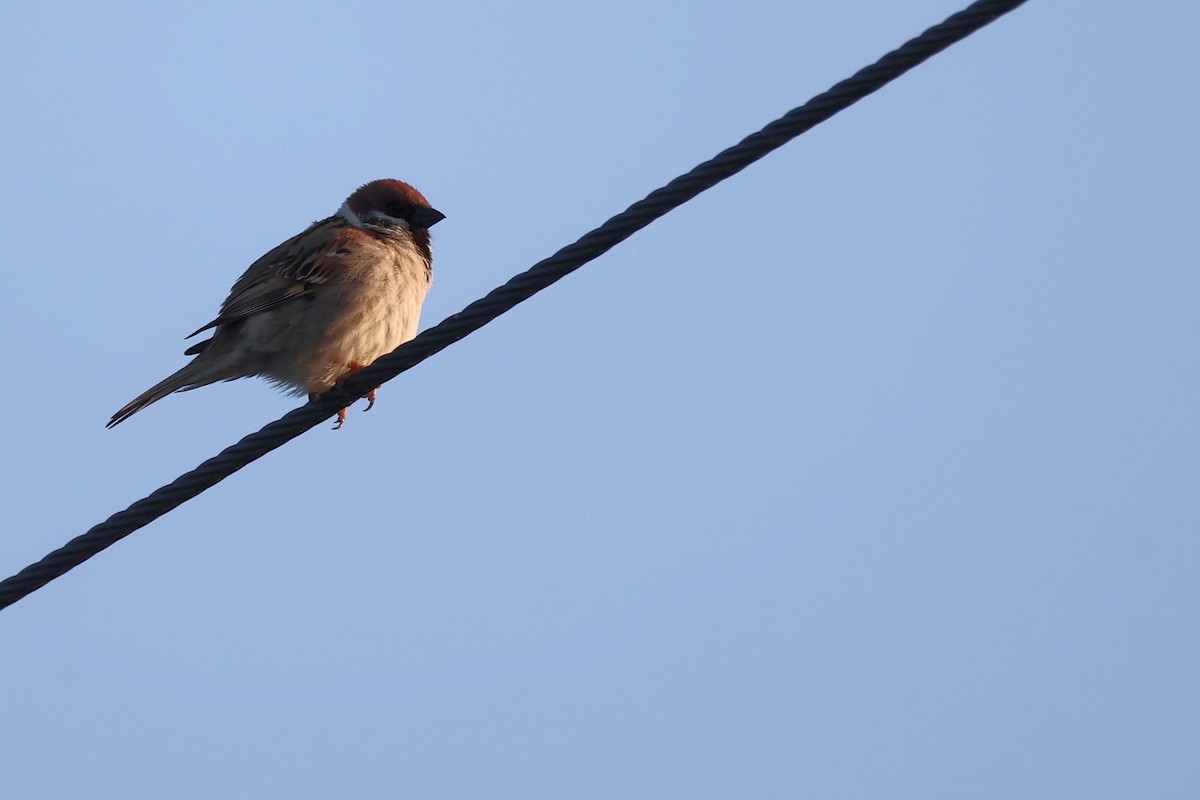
{"x":390,"y":202}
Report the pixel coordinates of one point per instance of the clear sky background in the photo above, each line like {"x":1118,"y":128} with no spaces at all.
{"x":872,"y":472}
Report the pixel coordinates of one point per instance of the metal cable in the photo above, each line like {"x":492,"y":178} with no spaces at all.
{"x":500,"y":300}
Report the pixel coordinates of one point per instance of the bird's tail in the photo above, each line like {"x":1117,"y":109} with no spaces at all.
{"x":193,"y":376}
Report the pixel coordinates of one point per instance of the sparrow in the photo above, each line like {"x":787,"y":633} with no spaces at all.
{"x":322,"y":305}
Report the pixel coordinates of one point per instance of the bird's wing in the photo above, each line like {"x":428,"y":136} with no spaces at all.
{"x":293,"y":269}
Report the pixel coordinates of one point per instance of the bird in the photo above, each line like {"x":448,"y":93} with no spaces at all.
{"x":323,"y":304}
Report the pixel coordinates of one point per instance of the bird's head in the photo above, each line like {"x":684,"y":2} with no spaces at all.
{"x":389,"y":204}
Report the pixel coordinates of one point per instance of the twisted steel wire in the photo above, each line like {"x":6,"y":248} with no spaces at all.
{"x":499,"y":300}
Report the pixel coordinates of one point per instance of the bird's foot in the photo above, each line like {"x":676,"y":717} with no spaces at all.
{"x":354,"y":368}
{"x":341,"y":414}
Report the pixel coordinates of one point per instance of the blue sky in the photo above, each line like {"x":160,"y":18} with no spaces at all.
{"x":869,"y":473}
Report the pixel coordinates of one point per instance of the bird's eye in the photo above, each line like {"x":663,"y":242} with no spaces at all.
{"x":397,"y":210}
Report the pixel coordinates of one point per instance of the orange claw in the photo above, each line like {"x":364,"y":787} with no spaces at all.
{"x":341,"y":415}
{"x":354,"y":367}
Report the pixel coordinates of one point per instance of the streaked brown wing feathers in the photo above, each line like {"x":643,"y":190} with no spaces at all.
{"x":291,"y":270}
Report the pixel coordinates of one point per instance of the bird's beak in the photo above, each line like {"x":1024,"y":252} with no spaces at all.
{"x":427,"y":217}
